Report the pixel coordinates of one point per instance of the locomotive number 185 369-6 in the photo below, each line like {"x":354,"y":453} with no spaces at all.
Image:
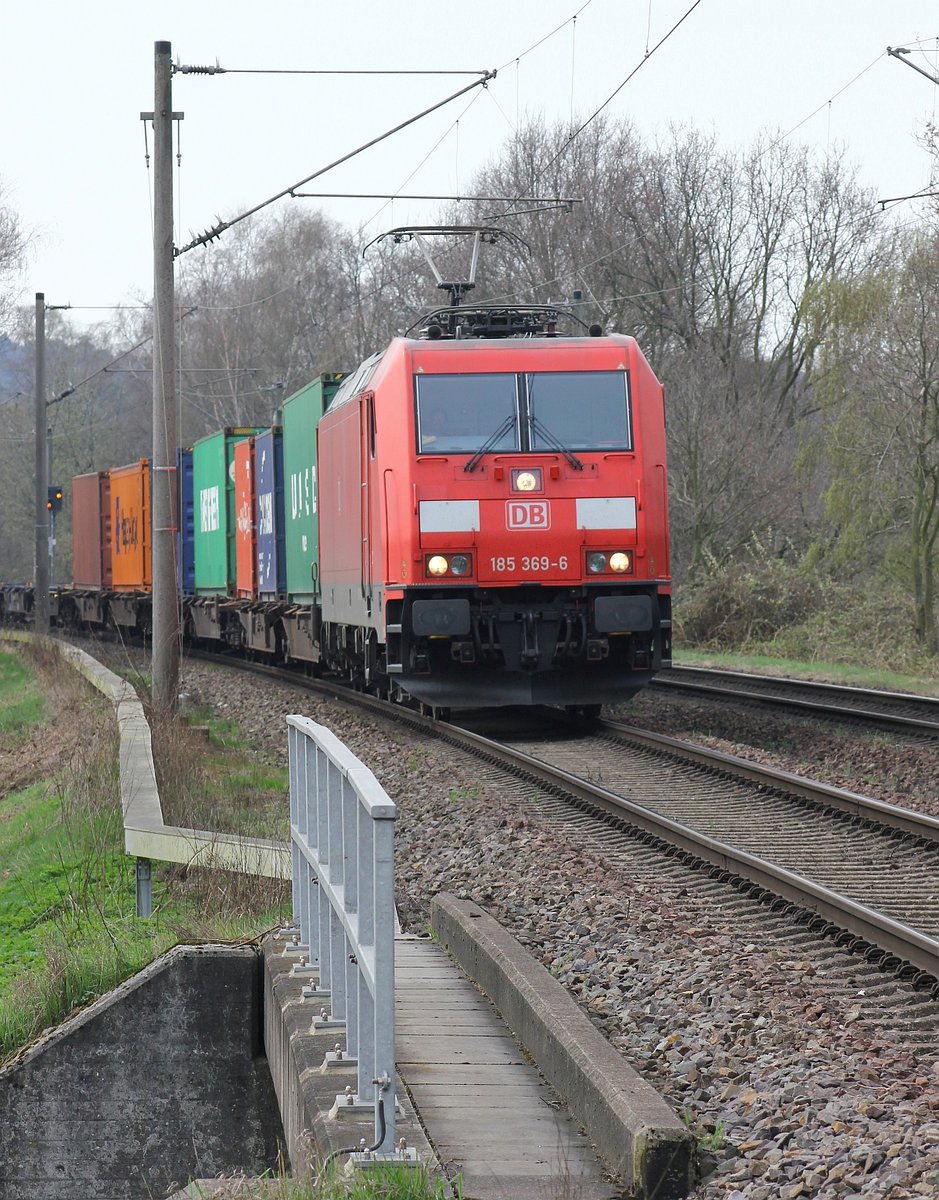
{"x":528,"y":562}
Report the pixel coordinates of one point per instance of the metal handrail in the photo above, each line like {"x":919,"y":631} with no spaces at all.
{"x":341,"y":835}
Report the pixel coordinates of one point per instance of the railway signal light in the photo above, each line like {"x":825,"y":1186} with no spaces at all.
{"x":54,"y":502}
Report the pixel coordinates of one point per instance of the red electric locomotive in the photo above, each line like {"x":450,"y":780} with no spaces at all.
{"x":493,"y":515}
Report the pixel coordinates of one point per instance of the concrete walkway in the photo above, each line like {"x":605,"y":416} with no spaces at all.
{"x":486,"y":1110}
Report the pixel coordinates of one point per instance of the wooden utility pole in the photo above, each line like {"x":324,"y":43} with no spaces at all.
{"x":164,"y":504}
{"x":41,"y":574}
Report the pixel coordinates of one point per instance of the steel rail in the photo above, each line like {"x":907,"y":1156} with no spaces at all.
{"x":746,"y":687}
{"x":903,"y":820}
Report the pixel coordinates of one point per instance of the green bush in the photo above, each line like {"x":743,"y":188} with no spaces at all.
{"x":737,"y":607}
{"x":868,"y":625}
{"x":773,"y":608}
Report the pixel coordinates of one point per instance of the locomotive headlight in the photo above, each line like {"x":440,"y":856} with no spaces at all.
{"x":437,"y":565}
{"x":460,"y":564}
{"x":527,"y":481}
{"x":596,"y":562}
{"x":620,"y":561}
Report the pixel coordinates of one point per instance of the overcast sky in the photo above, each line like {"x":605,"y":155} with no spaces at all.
{"x":76,"y":76}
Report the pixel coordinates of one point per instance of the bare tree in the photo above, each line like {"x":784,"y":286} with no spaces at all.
{"x":706,"y":255}
{"x":13,"y":243}
{"x":103,"y":422}
{"x":264,"y":314}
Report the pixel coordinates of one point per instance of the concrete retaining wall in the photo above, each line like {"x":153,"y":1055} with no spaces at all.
{"x":629,"y":1122}
{"x":160,"y":1081}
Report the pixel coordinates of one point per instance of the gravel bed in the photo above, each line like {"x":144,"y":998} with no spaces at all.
{"x":904,"y":772}
{"x":777,"y":1065}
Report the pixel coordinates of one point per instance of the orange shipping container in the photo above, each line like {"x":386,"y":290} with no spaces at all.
{"x":130,"y":527}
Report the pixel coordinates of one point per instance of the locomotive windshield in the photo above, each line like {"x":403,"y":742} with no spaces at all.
{"x":583,"y":410}
{"x":536,"y":411}
{"x":458,"y":413}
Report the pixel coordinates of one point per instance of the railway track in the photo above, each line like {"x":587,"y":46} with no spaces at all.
{"x":860,"y":870}
{"x":867,"y":869}
{"x":898,"y":712}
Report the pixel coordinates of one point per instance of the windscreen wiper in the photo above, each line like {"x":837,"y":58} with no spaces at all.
{"x":490,"y":442}
{"x":547,"y":436}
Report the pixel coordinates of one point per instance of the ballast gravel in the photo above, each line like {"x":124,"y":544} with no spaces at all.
{"x":772,"y":1050}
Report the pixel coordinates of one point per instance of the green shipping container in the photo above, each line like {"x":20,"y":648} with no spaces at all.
{"x":213,"y":497}
{"x":301,"y":412}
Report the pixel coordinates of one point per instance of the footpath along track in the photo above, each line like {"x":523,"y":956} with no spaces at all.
{"x":898,"y":712}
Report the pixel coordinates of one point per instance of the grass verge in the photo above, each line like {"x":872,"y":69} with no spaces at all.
{"x":827,"y":672}
{"x":386,"y":1183}
{"x":68,"y":929}
{"x":68,"y":932}
{"x":210,"y":778}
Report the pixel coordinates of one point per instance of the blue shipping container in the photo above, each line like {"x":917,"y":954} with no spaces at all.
{"x":269,"y":513}
{"x":185,"y":538}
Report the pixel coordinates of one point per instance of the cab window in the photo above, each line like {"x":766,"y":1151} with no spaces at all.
{"x":581,"y":410}
{"x":461,"y":413}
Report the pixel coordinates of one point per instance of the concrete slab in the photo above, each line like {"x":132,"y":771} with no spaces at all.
{"x":523,"y":1185}
{"x":465,"y":1074}
{"x":448,"y":1050}
{"x":566,"y":1169}
{"x":460,"y":1019}
{"x":484,"y":1094}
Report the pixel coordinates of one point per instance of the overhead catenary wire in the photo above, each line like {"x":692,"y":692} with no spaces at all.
{"x":72,"y":388}
{"x":575,"y":133}
{"x":181,"y":69}
{"x":516,"y":58}
{"x":648,"y":52}
{"x":405,"y":196}
{"x":616,"y":91}
{"x":455,"y":126}
{"x":815,"y":111}
{"x":217,"y":69}
{"x":221,"y":226}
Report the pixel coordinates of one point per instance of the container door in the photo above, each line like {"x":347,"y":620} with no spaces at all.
{"x":367,"y":460}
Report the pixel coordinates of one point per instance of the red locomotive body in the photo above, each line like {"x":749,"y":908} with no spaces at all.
{"x":493,"y":521}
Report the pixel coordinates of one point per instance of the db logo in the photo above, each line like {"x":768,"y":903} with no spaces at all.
{"x":527,"y":514}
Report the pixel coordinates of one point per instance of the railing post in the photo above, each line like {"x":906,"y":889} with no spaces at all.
{"x":144,"y":888}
